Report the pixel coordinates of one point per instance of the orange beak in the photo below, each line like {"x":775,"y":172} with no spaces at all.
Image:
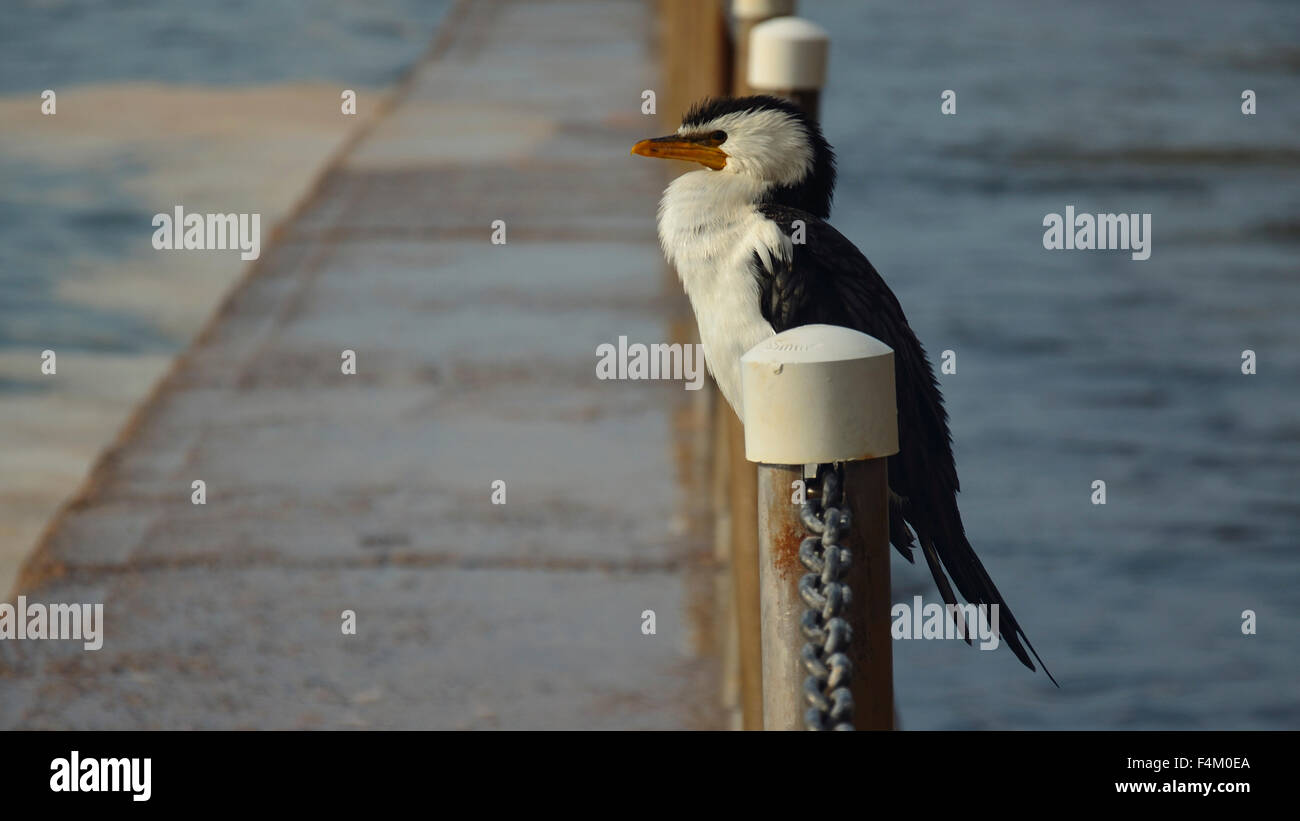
{"x":704,"y":151}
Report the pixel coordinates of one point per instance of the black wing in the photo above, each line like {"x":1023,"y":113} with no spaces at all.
{"x":830,"y":282}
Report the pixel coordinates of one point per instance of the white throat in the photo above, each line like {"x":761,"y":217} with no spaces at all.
{"x":711,"y":229}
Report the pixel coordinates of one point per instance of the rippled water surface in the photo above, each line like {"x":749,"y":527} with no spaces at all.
{"x":1076,"y":366}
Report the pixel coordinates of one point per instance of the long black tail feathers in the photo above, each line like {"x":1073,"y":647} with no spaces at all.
{"x":986,"y":593}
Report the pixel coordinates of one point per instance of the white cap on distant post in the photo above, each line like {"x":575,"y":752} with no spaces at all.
{"x":819,"y":393}
{"x":761,"y":9}
{"x":788,"y":53}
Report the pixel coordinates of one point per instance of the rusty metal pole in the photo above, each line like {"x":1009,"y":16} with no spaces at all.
{"x":820,"y":394}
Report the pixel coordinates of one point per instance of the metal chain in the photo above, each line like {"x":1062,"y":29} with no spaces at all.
{"x":825,"y":591}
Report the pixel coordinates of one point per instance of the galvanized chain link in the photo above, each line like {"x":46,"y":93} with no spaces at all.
{"x":825,"y":591}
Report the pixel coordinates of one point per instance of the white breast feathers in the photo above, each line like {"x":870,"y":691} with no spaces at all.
{"x":711,"y":231}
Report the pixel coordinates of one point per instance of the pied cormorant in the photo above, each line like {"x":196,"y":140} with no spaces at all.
{"x":728,"y":229}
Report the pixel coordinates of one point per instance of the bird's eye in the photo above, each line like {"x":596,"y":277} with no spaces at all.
{"x":719,"y":136}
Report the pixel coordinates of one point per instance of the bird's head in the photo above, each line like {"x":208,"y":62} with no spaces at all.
{"x":766,"y":139}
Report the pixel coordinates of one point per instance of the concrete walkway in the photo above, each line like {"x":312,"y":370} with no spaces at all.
{"x":372,"y":492}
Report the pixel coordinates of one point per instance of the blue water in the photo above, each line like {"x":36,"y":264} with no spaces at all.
{"x":58,"y":221}
{"x":51,"y":43}
{"x":1075,"y":366}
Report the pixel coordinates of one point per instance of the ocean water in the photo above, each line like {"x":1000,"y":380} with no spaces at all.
{"x":1075,"y":366}
{"x":61,"y":217}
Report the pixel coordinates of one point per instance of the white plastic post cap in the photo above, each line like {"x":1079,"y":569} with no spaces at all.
{"x":761,"y":9}
{"x":819,"y":393}
{"x":788,"y":53}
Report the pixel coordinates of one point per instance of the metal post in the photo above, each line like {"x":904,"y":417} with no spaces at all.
{"x":747,"y":14}
{"x":819,"y":394}
{"x":742,"y":488}
{"x":787,"y":58}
